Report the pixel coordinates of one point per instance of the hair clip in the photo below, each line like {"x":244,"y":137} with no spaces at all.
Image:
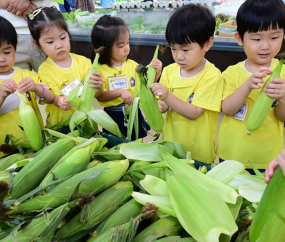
{"x":32,"y":15}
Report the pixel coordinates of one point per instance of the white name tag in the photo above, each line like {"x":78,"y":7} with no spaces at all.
{"x":65,"y":91}
{"x":12,"y":102}
{"x":118,"y":82}
{"x":241,"y":113}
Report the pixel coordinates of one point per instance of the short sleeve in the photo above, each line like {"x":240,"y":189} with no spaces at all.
{"x":164,"y":79}
{"x":229,"y":82}
{"x":209,"y":94}
{"x":47,"y":79}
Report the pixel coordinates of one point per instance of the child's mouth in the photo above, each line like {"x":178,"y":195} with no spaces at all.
{"x":263,"y":55}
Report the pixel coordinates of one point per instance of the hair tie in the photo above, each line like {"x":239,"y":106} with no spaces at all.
{"x":32,"y":15}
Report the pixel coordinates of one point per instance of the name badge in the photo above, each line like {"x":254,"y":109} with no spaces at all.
{"x":118,"y":82}
{"x":66,"y":90}
{"x":241,"y":113}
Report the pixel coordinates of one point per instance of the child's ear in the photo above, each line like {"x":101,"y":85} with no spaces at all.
{"x":35,"y":43}
{"x":238,"y":39}
{"x":209,"y":43}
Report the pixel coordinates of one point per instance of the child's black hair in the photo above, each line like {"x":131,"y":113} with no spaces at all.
{"x":105,"y":33}
{"x":192,"y":23}
{"x":45,"y":19}
{"x":8,"y":33}
{"x":260,"y":15}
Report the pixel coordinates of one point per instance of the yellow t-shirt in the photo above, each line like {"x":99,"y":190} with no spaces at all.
{"x":57,"y":78}
{"x":9,"y":111}
{"x":203,"y":90}
{"x":265,"y":143}
{"x":128,"y":70}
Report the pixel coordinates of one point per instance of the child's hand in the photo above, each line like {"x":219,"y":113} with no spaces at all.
{"x":276,"y":89}
{"x":279,"y":161}
{"x":63,"y":105}
{"x":127,"y":97}
{"x":156,"y":63}
{"x":257,"y":78}
{"x":27,"y":84}
{"x":30,"y":9}
{"x":97,"y":82}
{"x":7,"y":87}
{"x":160,"y":90}
{"x":162,"y":106}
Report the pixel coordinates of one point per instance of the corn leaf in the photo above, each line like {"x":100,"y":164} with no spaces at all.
{"x":245,"y":180}
{"x":77,"y":118}
{"x":154,"y":186}
{"x":252,"y":193}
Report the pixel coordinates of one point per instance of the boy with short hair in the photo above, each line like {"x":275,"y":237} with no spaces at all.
{"x":190,"y":90}
{"x":260,"y":30}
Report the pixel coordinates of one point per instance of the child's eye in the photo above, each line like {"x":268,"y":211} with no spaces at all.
{"x":121,"y":46}
{"x":256,"y":39}
{"x":7,"y":53}
{"x":63,"y":38}
{"x":185,"y":50}
{"x":275,"y":37}
{"x":172,"y":49}
{"x":50,"y":42}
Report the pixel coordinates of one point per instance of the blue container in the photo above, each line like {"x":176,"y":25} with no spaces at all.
{"x":105,"y":3}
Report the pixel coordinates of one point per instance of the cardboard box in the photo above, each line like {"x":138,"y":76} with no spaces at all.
{"x":228,"y":29}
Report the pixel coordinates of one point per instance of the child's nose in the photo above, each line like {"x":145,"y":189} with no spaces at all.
{"x":265,"y":45}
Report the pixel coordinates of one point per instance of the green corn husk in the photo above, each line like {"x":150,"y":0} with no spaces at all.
{"x":188,"y":239}
{"x":30,"y":122}
{"x":88,"y":93}
{"x":138,"y":165}
{"x":129,"y":210}
{"x":73,"y":162}
{"x":100,"y":208}
{"x":201,"y":212}
{"x":169,"y":239}
{"x":268,"y":223}
{"x":144,"y":152}
{"x":225,"y":192}
{"x":167,"y":226}
{"x":262,"y":104}
{"x":10,"y":160}
{"x":150,"y":107}
{"x":33,"y":173}
{"x":112,"y":173}
{"x":155,"y":186}
{"x":157,"y":172}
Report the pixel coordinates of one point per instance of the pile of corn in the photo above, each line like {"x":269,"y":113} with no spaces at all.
{"x":75,"y":189}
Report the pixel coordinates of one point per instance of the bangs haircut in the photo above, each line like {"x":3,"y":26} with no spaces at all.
{"x":47,"y":18}
{"x":8,"y":33}
{"x":190,"y":24}
{"x":260,"y":15}
{"x":106,"y":32}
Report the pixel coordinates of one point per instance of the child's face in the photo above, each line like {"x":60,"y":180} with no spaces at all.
{"x":188,"y":56}
{"x":55,"y":43}
{"x":7,"y":58}
{"x":120,"y":49}
{"x":262,"y":46}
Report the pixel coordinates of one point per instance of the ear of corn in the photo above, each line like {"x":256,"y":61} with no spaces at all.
{"x":150,"y":107}
{"x":201,"y":212}
{"x":55,"y":196}
{"x":10,"y":160}
{"x":155,"y":186}
{"x":225,"y":192}
{"x":100,"y":208}
{"x":262,"y":104}
{"x":73,"y":162}
{"x":30,"y":123}
{"x":88,"y":93}
{"x":163,"y":227}
{"x":129,"y":210}
{"x":268,"y":222}
{"x":33,"y":173}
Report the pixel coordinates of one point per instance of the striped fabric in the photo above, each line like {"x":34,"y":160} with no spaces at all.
{"x":85,"y":5}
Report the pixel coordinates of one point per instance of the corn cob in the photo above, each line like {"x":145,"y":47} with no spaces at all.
{"x":73,"y":162}
{"x":9,"y":160}
{"x":112,"y":173}
{"x":167,"y":226}
{"x":262,"y":104}
{"x":88,"y":93}
{"x":151,"y":72}
{"x":30,"y":123}
{"x":36,"y":227}
{"x":129,"y":210}
{"x":149,"y":105}
{"x":268,"y":222}
{"x":33,"y":173}
{"x":100,"y":208}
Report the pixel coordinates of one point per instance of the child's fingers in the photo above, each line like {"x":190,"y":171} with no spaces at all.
{"x":281,"y":162}
{"x":278,"y":81}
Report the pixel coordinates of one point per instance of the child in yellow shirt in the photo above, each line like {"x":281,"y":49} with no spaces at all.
{"x":12,"y":78}
{"x":62,"y":70}
{"x":119,"y":72}
{"x":260,"y":30}
{"x":191,"y":88}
